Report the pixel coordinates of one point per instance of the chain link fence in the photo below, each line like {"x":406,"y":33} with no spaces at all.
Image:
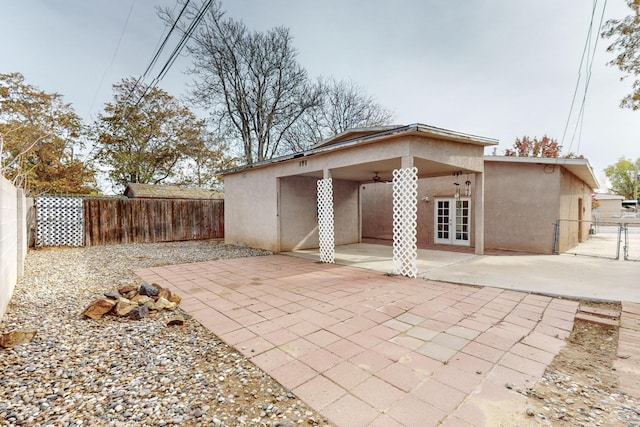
{"x":632,"y":241}
{"x":600,"y":239}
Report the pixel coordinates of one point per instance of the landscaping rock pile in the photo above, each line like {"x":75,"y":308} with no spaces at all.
{"x":133,"y":301}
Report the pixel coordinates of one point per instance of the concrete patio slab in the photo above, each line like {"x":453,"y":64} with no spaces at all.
{"x":560,"y":275}
{"x":361,"y":320}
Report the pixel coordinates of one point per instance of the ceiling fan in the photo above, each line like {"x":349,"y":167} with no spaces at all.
{"x":377,"y":178}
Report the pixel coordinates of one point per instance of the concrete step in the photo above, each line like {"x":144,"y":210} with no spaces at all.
{"x":597,"y":319}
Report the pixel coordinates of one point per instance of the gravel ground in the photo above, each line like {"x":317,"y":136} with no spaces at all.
{"x":120,"y":372}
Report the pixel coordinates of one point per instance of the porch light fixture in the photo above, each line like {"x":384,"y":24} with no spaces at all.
{"x":467,"y":187}
{"x":456,"y":195}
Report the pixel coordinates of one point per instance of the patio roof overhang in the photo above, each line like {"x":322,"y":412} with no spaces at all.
{"x":357,"y":154}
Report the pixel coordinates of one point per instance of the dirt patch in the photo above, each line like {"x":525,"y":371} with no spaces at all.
{"x":580,"y":387}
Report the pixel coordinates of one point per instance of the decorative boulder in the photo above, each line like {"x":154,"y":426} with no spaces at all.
{"x":99,"y":308}
{"x":115,"y":294}
{"x":125,"y":289}
{"x":142,"y":299}
{"x":139,"y":312}
{"x":124,"y":307}
{"x":149,"y":290}
{"x":17,"y":337}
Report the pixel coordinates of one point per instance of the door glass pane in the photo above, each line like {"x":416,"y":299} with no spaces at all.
{"x":462,"y":220}
{"x":442,"y":220}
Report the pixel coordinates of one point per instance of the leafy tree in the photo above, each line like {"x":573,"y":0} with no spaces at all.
{"x":38,"y":136}
{"x":627,"y":48}
{"x":623,"y":176}
{"x":250,"y":81}
{"x":528,"y":147}
{"x":343,"y":105}
{"x":146,"y":136}
{"x":202,"y":168}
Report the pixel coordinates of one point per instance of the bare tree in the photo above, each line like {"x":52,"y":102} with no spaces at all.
{"x":249,"y":80}
{"x":344,"y":105}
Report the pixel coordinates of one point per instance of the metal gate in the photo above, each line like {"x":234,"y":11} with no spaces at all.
{"x":632,"y":242}
{"x":613,"y":240}
{"x":59,"y":221}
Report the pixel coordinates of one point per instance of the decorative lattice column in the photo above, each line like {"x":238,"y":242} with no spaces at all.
{"x":325,"y":220}
{"x":405,"y":218}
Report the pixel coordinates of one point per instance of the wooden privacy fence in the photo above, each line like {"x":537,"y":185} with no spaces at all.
{"x":113,"y":221}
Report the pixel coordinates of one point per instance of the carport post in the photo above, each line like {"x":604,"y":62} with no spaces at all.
{"x":479,"y":212}
{"x":325,"y":218}
{"x":405,"y":207}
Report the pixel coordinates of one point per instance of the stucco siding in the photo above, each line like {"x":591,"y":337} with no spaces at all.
{"x":608,"y":209}
{"x":521,"y":206}
{"x":377,"y":211}
{"x":575,"y":211}
{"x":346,"y":212}
{"x":377,"y":207}
{"x":251,"y":209}
{"x":298,"y":213}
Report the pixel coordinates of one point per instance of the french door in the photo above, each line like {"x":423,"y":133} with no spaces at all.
{"x":452,"y":221}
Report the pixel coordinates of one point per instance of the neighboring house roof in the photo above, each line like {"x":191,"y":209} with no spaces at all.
{"x":579,"y":167}
{"x":361,"y":136}
{"x":150,"y":191}
{"x":355,"y":133}
{"x":601,"y":196}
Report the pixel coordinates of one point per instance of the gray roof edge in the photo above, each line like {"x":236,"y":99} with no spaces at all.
{"x":561,"y":161}
{"x":371,"y":137}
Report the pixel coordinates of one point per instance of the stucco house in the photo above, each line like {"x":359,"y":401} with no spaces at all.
{"x":501,"y":202}
{"x":610,"y":206}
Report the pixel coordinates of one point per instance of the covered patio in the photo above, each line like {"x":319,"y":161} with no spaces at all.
{"x":312,"y":199}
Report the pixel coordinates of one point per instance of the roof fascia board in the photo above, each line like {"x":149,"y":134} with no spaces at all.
{"x":560,"y":161}
{"x":429,"y":130}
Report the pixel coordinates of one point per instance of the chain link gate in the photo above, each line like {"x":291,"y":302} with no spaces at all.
{"x":607,"y":239}
{"x":632,"y":241}
{"x":59,"y":221}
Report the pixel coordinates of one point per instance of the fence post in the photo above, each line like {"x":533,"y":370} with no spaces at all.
{"x":626,"y":241}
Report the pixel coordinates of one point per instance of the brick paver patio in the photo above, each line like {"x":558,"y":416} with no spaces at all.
{"x":365,"y":348}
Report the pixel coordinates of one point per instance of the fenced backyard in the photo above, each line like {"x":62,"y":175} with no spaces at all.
{"x":72,"y":221}
{"x":613,"y":240}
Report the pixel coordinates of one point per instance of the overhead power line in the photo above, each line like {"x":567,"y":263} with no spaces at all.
{"x":587,"y":59}
{"x":174,"y":54}
{"x":159,"y":50}
{"x":113,"y":57}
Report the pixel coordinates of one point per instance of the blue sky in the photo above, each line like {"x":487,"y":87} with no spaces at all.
{"x":495,"y":68}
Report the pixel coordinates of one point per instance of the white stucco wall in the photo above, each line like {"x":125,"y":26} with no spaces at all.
{"x":299,"y":212}
{"x":12,"y":243}
{"x":251,"y":209}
